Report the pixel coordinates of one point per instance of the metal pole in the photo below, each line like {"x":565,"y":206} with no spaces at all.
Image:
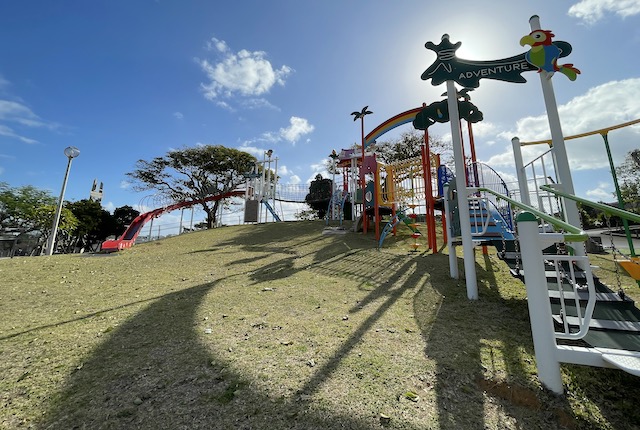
{"x":267,"y":185}
{"x":571,"y":215}
{"x":275,"y":186}
{"x":463,"y":197}
{"x":619,"y":195}
{"x":363,"y":184}
{"x":71,"y":152}
{"x":522,"y":175}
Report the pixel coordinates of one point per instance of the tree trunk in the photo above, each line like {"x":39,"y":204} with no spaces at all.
{"x":212,"y":214}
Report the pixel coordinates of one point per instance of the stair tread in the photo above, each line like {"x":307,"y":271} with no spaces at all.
{"x":584,"y":295}
{"x":603,"y":324}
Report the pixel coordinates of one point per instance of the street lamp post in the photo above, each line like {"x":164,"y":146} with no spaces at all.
{"x":71,"y":152}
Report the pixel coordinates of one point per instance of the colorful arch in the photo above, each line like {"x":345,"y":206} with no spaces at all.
{"x":390,"y":124}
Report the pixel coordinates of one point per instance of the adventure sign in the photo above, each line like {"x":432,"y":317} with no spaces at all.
{"x":468,"y":73}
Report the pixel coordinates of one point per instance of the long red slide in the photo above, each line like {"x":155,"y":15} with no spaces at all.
{"x":129,"y":236}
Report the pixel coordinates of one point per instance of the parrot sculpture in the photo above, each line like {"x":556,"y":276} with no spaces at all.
{"x":544,"y":54}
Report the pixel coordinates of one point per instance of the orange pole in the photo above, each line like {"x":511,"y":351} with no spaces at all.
{"x":430,"y":214}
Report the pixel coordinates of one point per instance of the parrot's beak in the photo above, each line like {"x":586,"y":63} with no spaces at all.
{"x":527,"y":40}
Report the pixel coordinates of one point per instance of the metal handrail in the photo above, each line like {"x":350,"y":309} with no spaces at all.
{"x":611,"y":210}
{"x":574,"y":234}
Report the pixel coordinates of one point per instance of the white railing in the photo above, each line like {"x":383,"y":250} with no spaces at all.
{"x":568,"y":277}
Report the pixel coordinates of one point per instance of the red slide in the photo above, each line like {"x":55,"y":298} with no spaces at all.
{"x":129,"y":236}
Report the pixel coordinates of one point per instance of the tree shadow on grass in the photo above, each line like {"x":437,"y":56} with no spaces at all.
{"x":154,"y":373}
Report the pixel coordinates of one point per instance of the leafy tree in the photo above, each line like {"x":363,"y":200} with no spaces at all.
{"x":95,"y":224}
{"x":408,"y":146}
{"x":193,"y":174}
{"x":43,"y":221}
{"x":629,"y":181}
{"x":18,"y":207}
{"x":319,"y":196}
{"x":123,"y":216}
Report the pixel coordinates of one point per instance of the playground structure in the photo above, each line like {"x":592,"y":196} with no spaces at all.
{"x":567,"y":304}
{"x":575,"y":318}
{"x":402,"y":188}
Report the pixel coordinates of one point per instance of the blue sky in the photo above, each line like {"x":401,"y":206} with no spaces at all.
{"x":124,"y":80}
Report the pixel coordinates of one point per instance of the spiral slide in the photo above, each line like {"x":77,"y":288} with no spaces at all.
{"x":129,"y":236}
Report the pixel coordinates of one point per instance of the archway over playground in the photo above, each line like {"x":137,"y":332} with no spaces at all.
{"x":390,"y":124}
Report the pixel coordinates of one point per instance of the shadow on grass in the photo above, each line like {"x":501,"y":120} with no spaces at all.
{"x":489,"y":364}
{"x":154,"y":373}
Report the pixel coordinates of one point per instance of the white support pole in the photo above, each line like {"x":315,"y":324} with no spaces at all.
{"x":563,"y":171}
{"x":463,"y":201}
{"x":544,"y":342}
{"x":453,"y":259}
{"x":275,"y":186}
{"x":523,"y":186}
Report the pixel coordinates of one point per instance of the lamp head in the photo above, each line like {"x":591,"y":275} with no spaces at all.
{"x":71,"y":152}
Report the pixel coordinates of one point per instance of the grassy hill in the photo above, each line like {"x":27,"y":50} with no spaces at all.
{"x":280,"y":327}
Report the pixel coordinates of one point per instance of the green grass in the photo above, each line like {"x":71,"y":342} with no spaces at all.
{"x":279,"y":327}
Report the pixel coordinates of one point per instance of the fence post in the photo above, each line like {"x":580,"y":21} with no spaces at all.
{"x":544,"y":341}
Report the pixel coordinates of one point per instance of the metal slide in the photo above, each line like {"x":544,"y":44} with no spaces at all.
{"x":128,"y":238}
{"x":271,"y":210}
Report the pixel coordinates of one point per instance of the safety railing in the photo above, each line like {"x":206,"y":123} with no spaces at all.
{"x":536,"y":277}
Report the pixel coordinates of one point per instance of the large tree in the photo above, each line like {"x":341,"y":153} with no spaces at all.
{"x":192,"y":174}
{"x":123,"y":216}
{"x":629,"y":180}
{"x":408,"y":144}
{"x":95,"y":224}
{"x":18,"y":207}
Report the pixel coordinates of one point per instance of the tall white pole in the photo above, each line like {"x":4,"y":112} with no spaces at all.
{"x":275,"y":185}
{"x":71,"y":152}
{"x":571,"y":214}
{"x":463,"y":201}
{"x":267,"y":185}
{"x":544,"y":343}
{"x":522,"y":175}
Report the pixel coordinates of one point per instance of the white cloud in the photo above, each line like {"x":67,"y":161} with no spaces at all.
{"x":109,"y":207}
{"x":603,"y":106}
{"x":283,"y":170}
{"x":255,"y":151}
{"x":18,"y":113}
{"x":245,"y":73}
{"x":602,"y":192}
{"x":178,"y":115}
{"x":3,"y":82}
{"x":125,"y":185}
{"x":8,"y":132}
{"x":294,"y":179}
{"x":258,"y":103}
{"x":298,"y":127}
{"x":592,"y":11}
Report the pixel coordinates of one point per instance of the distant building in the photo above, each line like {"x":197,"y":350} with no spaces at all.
{"x":96,"y":193}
